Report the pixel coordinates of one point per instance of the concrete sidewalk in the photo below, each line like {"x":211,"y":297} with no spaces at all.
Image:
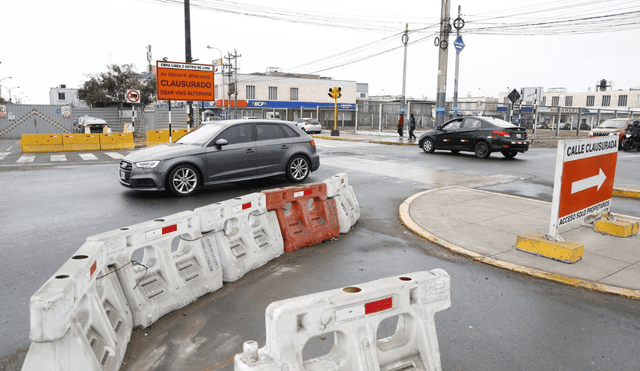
{"x":484,"y":226}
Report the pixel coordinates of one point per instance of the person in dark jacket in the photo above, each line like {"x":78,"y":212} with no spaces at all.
{"x":412,"y":127}
{"x":400,"y":124}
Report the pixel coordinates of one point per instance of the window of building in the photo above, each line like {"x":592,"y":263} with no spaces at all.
{"x":606,"y":100}
{"x":273,"y":93}
{"x":544,"y":101}
{"x":555,"y":100}
{"x":61,"y":96}
{"x":622,"y":101}
{"x":251,"y":92}
{"x":590,"y":100}
{"x":293,"y":94}
{"x":568,"y":101}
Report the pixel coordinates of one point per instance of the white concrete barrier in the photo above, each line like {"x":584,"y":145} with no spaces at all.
{"x":353,"y":315}
{"x":339,"y":189}
{"x":80,"y":320}
{"x":163,"y":264}
{"x":247,"y":235}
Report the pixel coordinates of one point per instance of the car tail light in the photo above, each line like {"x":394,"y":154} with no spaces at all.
{"x":312,"y":142}
{"x":501,"y":133}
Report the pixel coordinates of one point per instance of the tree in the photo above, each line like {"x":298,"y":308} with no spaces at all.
{"x":108,"y":89}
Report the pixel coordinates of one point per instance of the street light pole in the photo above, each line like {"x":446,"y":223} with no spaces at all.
{"x":15,"y":87}
{"x":221,"y":74}
{"x":4,"y":78}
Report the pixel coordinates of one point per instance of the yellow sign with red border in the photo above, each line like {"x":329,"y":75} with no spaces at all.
{"x":184,"y":81}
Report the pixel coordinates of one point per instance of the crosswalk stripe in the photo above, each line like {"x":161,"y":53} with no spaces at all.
{"x":26,"y":158}
{"x":4,"y":154}
{"x":88,"y":156}
{"x":114,"y":155}
{"x":58,"y":158}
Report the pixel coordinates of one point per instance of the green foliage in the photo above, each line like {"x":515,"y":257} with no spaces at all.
{"x":108,"y":89}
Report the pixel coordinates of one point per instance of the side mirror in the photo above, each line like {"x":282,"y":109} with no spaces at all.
{"x":439,"y":127}
{"x":221,"y":142}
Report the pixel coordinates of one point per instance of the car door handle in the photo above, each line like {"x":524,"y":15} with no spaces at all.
{"x":250,"y":150}
{"x":284,"y":146}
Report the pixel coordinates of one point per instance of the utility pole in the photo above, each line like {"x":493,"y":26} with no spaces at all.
{"x":405,"y":40}
{"x":459,"y":45}
{"x":443,"y":43}
{"x":233,"y":79}
{"x":187,"y":54}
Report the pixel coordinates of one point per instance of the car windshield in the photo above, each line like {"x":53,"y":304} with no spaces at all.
{"x":499,"y":122}
{"x":201,"y":135}
{"x":613,"y":124}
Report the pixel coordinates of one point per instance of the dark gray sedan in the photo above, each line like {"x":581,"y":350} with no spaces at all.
{"x":220,"y":152}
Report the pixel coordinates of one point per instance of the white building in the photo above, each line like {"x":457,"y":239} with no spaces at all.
{"x":61,"y":95}
{"x":284,"y":95}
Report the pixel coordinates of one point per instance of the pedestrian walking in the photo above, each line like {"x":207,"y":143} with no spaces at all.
{"x":400,"y":124}
{"x":412,"y":127}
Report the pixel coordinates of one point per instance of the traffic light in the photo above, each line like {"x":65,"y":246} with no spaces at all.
{"x":335,"y":92}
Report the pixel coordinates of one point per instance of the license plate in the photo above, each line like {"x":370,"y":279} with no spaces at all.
{"x":122,"y":174}
{"x":519,"y":136}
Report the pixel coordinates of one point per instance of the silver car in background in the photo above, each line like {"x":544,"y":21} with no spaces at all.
{"x":309,"y":125}
{"x":220,"y":152}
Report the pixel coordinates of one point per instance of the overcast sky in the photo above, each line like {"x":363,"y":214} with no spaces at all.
{"x":514,"y":44}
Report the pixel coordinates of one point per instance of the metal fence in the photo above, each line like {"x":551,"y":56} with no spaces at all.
{"x":18,"y":119}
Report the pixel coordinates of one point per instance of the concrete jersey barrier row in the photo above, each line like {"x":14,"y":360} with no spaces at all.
{"x":38,"y":143}
{"x":82,"y":317}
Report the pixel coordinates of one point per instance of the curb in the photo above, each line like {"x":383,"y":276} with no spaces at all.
{"x":406,"y":220}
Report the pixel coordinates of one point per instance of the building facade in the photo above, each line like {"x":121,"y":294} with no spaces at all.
{"x":61,"y":95}
{"x":275,"y":94}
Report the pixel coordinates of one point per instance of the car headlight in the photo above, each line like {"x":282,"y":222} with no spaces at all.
{"x":147,"y":164}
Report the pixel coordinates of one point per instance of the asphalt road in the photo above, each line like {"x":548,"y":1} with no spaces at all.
{"x":499,"y":320}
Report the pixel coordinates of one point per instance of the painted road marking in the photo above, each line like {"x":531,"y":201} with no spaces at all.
{"x":114,"y":155}
{"x":26,"y":158}
{"x":4,"y":154}
{"x":88,"y":156}
{"x":58,"y":158}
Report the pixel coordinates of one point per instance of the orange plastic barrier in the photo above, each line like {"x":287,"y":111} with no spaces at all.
{"x":113,"y":141}
{"x":305,"y":215}
{"x":177,"y":134}
{"x":31,"y":143}
{"x":81,"y":142}
{"x":155,"y":137}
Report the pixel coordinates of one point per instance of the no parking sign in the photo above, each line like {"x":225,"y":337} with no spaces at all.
{"x":132,"y":96}
{"x":3,"y":111}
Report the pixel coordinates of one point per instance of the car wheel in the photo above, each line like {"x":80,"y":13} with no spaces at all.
{"x":455,"y":151}
{"x":298,"y":169}
{"x":509,"y":153}
{"x":482,"y":150}
{"x":427,"y":145}
{"x":183,"y":180}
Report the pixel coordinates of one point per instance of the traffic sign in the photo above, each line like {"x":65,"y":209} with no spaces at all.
{"x":514,"y":96}
{"x":132,"y":96}
{"x":459,"y":44}
{"x":185,"y":81}
{"x":585,"y":171}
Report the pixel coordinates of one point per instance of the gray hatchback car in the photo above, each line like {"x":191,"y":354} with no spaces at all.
{"x":220,"y":152}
